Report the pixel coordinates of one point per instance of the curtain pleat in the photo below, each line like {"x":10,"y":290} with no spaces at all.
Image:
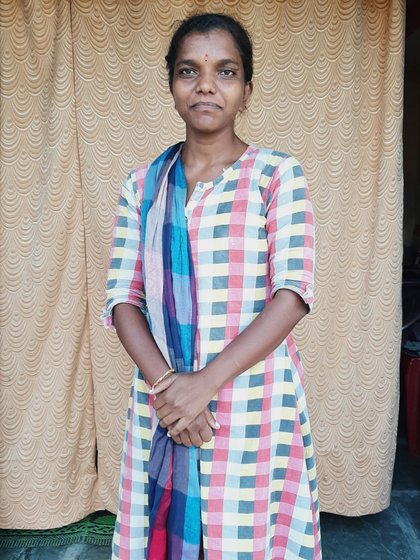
{"x":48,"y":473}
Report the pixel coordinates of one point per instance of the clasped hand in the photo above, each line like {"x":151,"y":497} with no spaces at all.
{"x":181,"y":405}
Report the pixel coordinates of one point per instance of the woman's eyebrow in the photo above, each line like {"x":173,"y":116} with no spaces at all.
{"x":192,"y":62}
{"x":186,"y":61}
{"x":228,"y":61}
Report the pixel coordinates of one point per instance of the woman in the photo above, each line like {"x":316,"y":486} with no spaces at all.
{"x":211,"y":268}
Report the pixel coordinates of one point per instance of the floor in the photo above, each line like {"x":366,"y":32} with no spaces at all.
{"x":389,"y":535}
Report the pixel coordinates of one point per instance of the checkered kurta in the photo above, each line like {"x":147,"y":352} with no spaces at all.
{"x":251,"y":233}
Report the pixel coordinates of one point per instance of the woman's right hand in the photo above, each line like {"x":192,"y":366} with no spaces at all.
{"x":199,"y":431}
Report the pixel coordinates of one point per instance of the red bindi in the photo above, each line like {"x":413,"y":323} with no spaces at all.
{"x":206,"y":57}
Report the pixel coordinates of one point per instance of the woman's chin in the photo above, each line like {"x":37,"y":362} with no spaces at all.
{"x":206,"y":125}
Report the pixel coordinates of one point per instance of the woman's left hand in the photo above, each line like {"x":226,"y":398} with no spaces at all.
{"x":200,"y":430}
{"x":180,"y":399}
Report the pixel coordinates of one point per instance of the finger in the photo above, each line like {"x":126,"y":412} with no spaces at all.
{"x":177,"y":440}
{"x":160,"y":400}
{"x":195,"y":437}
{"x":180,"y":426}
{"x":185,"y":438}
{"x":158,"y":403}
{"x":210,"y":419}
{"x":163,"y":411}
{"x":163,"y":385}
{"x":206,"y":434}
{"x":194,"y":433}
{"x":168,"y":419}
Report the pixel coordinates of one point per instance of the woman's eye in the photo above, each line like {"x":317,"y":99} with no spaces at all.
{"x":226,"y":72}
{"x":186,"y":72}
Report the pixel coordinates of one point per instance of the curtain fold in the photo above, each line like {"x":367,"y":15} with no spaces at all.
{"x":48,"y":473}
{"x":84,"y":99}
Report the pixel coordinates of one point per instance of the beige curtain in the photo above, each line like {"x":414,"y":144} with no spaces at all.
{"x":83,"y":100}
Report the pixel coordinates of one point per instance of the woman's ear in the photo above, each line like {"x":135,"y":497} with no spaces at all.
{"x":247,"y":94}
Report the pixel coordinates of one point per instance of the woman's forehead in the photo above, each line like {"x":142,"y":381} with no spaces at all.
{"x":216,"y":43}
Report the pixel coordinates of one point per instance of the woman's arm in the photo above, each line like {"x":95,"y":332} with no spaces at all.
{"x":181,"y":398}
{"x":134,"y":333}
{"x":126,"y":298}
{"x":266,"y":332}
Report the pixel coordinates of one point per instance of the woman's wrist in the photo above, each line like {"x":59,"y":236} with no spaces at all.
{"x":167,"y":373}
{"x":212,"y":379}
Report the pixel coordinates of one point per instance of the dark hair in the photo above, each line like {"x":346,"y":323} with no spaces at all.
{"x":204,"y":23}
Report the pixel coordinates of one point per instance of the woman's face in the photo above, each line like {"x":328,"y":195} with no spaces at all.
{"x":208,"y":87}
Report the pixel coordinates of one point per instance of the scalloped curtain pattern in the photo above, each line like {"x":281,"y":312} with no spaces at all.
{"x":84,"y":100}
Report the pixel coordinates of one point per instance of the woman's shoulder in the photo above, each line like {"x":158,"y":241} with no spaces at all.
{"x":133,"y":185}
{"x":275,"y":168}
{"x":273,"y":160}
{"x":136,"y":177}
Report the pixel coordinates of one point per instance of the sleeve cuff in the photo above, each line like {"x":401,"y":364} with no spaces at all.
{"x":107,"y":314}
{"x":304,"y":290}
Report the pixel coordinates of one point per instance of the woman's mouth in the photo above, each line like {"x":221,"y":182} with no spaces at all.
{"x":205,"y":105}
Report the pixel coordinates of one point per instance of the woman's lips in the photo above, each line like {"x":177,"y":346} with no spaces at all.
{"x":205,"y":105}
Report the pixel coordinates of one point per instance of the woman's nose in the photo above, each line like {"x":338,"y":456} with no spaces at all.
{"x":206,"y":83}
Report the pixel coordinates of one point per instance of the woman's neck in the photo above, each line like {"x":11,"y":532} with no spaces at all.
{"x":205,"y":159}
{"x":207,"y":153}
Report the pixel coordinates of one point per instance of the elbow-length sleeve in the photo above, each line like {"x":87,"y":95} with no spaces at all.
{"x":125,"y":280}
{"x":290,"y":232}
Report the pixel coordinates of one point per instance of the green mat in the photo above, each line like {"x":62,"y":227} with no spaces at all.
{"x":96,"y":528}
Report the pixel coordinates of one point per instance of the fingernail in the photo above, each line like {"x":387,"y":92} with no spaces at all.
{"x":217,"y":425}
{"x":168,"y":434}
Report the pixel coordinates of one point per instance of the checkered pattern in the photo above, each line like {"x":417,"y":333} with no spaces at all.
{"x":251,"y":233}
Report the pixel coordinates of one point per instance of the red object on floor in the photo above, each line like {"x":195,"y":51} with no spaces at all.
{"x":410,"y":367}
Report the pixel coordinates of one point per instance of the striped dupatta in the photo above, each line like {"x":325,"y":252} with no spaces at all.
{"x":174,"y":491}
